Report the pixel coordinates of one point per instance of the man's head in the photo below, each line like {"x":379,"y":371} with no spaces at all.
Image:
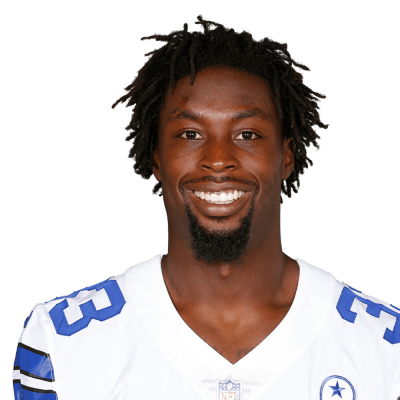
{"x":186,"y":53}
{"x":219,"y":136}
{"x":220,"y":112}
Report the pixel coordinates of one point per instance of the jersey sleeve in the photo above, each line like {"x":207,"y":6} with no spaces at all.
{"x":34,"y":377}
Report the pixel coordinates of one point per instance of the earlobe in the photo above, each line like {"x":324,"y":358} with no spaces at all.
{"x":156,"y":168}
{"x":289,"y":148}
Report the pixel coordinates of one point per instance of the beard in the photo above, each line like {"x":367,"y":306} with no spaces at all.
{"x":219,"y":246}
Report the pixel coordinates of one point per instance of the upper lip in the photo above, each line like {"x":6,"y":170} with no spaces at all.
{"x":218,"y":187}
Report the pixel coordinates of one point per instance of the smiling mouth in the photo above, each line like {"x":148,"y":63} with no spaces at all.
{"x":222,"y":197}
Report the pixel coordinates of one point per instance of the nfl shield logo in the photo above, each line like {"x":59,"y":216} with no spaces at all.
{"x":229,"y":389}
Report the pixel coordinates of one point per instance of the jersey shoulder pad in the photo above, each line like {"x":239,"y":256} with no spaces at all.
{"x":72,"y":313}
{"x":33,"y":367}
{"x":353,"y":305}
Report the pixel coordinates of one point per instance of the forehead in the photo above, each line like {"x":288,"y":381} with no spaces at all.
{"x":219,"y":91}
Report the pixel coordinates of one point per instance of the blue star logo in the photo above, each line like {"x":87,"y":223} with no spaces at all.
{"x":336,"y":389}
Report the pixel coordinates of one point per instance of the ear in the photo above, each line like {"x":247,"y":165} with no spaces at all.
{"x":289,"y":147}
{"x":156,"y":168}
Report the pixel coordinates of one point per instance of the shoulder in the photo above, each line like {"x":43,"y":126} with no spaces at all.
{"x":92,"y":318}
{"x":368,"y":313}
{"x":352,"y":313}
{"x":74,"y":312}
{"x":69,"y":314}
{"x":92,"y":305}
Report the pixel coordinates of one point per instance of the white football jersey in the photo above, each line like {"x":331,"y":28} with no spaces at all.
{"x":123,"y":339}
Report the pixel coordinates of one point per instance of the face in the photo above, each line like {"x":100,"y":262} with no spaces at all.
{"x":221,"y":160}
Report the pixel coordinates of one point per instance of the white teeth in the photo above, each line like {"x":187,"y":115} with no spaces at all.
{"x":226,"y":197}
{"x":223,"y":197}
{"x":214,"y":197}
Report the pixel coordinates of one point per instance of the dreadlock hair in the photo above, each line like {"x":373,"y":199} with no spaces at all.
{"x":186,"y":53}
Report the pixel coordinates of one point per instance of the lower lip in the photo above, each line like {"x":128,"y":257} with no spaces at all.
{"x":218,"y":210}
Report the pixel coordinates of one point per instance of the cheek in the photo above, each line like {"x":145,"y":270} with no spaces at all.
{"x":269,"y":176}
{"x":178,"y":166}
{"x":268,"y":170}
{"x":174,"y":171}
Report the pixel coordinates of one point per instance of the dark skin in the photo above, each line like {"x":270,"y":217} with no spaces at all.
{"x":226,"y":126}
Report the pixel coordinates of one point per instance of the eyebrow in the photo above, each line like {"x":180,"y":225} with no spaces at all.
{"x":195,"y":116}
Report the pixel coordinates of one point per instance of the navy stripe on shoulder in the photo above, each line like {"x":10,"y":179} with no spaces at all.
{"x":29,"y":393}
{"x":41,"y":353}
{"x":34,"y":363}
{"x":26,"y":373}
{"x":31,"y":389}
{"x":31,"y":375}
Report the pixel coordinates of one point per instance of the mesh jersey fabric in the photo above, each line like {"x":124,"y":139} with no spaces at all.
{"x":123,"y":339}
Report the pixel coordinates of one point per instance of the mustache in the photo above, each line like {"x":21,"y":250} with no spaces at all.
{"x":219,"y":180}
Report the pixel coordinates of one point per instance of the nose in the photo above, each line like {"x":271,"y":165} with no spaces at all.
{"x":218,"y":157}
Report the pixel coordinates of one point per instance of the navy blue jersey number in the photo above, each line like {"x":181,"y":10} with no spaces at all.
{"x":346,"y":301}
{"x":88,"y":309}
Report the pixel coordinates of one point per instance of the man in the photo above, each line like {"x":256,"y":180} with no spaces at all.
{"x":223,"y":122}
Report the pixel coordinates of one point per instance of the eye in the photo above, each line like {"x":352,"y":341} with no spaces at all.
{"x":190,"y":135}
{"x":247,"y":135}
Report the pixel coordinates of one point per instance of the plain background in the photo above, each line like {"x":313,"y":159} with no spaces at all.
{"x":74,"y":213}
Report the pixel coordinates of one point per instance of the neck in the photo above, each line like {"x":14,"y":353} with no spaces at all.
{"x":263,"y":277}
